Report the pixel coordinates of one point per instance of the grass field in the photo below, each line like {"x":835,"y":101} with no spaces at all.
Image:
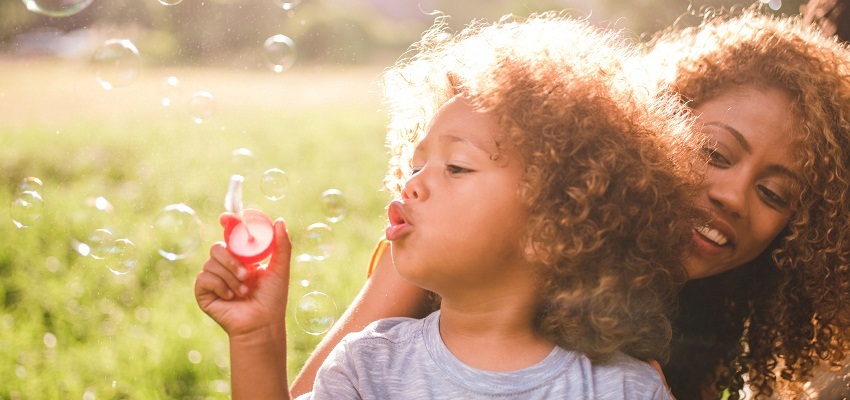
{"x":69,"y":327}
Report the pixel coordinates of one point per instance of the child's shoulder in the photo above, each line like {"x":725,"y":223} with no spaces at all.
{"x":632,"y":374}
{"x":627,"y":364}
{"x":389,"y":330}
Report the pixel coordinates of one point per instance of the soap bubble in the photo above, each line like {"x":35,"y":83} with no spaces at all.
{"x":287,"y":5}
{"x":303,"y":273}
{"x":117,"y":63}
{"x":202,"y":106}
{"x":315,"y":313}
{"x":94,"y":214}
{"x":100,"y":243}
{"x":178,"y":231}
{"x":774,"y":5}
{"x":26,"y":208}
{"x":279,"y":53}
{"x":274,"y":184}
{"x":31,"y":184}
{"x":333,"y":205}
{"x":243,"y":161}
{"x":170,"y":91}
{"x":57,"y":8}
{"x":170,"y":2}
{"x":317,"y":242}
{"x":49,"y":340}
{"x":122,"y":257}
{"x":195,"y":356}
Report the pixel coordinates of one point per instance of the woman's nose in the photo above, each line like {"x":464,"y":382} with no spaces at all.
{"x":729,"y":195}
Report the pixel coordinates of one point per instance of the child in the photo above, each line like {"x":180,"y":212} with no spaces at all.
{"x":539,"y":194}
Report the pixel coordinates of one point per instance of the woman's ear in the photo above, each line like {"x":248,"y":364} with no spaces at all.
{"x":533,"y":252}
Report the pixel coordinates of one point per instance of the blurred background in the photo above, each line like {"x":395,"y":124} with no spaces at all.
{"x":229,"y":33}
{"x":121,"y":123}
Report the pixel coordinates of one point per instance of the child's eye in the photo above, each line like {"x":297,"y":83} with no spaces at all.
{"x":415,"y":170}
{"x":454,"y":169}
{"x":714,"y":157}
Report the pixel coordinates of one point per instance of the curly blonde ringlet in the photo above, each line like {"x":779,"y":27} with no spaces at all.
{"x":608,"y":168}
{"x":803,"y":317}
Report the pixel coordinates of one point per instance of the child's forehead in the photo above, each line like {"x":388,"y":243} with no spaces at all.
{"x":458,"y":122}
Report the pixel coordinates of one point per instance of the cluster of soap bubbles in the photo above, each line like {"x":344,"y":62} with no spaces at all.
{"x":117,"y":62}
{"x":201,"y":104}
{"x":92,"y":236}
{"x":315,"y":311}
{"x":176,"y":228}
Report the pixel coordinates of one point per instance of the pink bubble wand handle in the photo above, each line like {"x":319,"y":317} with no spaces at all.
{"x":250,"y":236}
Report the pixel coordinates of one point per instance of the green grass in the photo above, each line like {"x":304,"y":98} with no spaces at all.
{"x":71,"y":329}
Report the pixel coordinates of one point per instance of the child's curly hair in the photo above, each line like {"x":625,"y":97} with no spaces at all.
{"x":608,"y":168}
{"x":796,"y":312}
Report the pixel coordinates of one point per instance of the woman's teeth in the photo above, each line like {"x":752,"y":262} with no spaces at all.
{"x":713,"y":235}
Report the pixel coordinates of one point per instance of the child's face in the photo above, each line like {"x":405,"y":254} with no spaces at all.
{"x":459,"y":222}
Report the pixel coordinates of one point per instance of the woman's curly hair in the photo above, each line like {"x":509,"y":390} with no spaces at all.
{"x":608,"y":174}
{"x":794,"y":311}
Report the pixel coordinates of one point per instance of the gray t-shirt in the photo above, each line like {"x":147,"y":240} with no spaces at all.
{"x":404,"y":358}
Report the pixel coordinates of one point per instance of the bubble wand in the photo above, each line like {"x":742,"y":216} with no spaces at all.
{"x":250,"y":235}
{"x":233,"y":200}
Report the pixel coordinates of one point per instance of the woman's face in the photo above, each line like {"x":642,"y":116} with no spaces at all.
{"x":749,"y":182}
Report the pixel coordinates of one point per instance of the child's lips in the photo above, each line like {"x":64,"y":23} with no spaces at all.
{"x":399,"y":225}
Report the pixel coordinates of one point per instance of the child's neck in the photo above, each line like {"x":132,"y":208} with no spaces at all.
{"x":497,"y":335}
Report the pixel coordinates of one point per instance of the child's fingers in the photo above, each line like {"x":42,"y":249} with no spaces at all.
{"x":230,"y":280}
{"x":225,"y":218}
{"x":219,"y":253}
{"x":207,"y":282}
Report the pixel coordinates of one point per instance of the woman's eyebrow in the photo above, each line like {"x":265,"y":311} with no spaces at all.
{"x":782,"y":170}
{"x":774,"y":168}
{"x":735,"y":134}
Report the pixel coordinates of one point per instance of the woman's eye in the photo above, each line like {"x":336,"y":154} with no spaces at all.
{"x":772,"y":197}
{"x":454,"y":169}
{"x":714,"y":157}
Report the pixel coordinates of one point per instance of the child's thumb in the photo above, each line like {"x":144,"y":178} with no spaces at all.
{"x":282,"y":252}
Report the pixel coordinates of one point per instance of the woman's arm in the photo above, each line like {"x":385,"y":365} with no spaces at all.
{"x":385,"y":294}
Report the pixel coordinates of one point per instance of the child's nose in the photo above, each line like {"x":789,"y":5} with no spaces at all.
{"x":415,"y":188}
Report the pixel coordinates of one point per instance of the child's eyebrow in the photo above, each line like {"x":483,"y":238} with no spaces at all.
{"x":461,"y":138}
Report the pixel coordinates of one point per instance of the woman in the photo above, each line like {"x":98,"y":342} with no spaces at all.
{"x":777,"y":312}
{"x":770,"y":274}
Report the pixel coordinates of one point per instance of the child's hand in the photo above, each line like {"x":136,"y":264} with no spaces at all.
{"x":245,"y":299}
